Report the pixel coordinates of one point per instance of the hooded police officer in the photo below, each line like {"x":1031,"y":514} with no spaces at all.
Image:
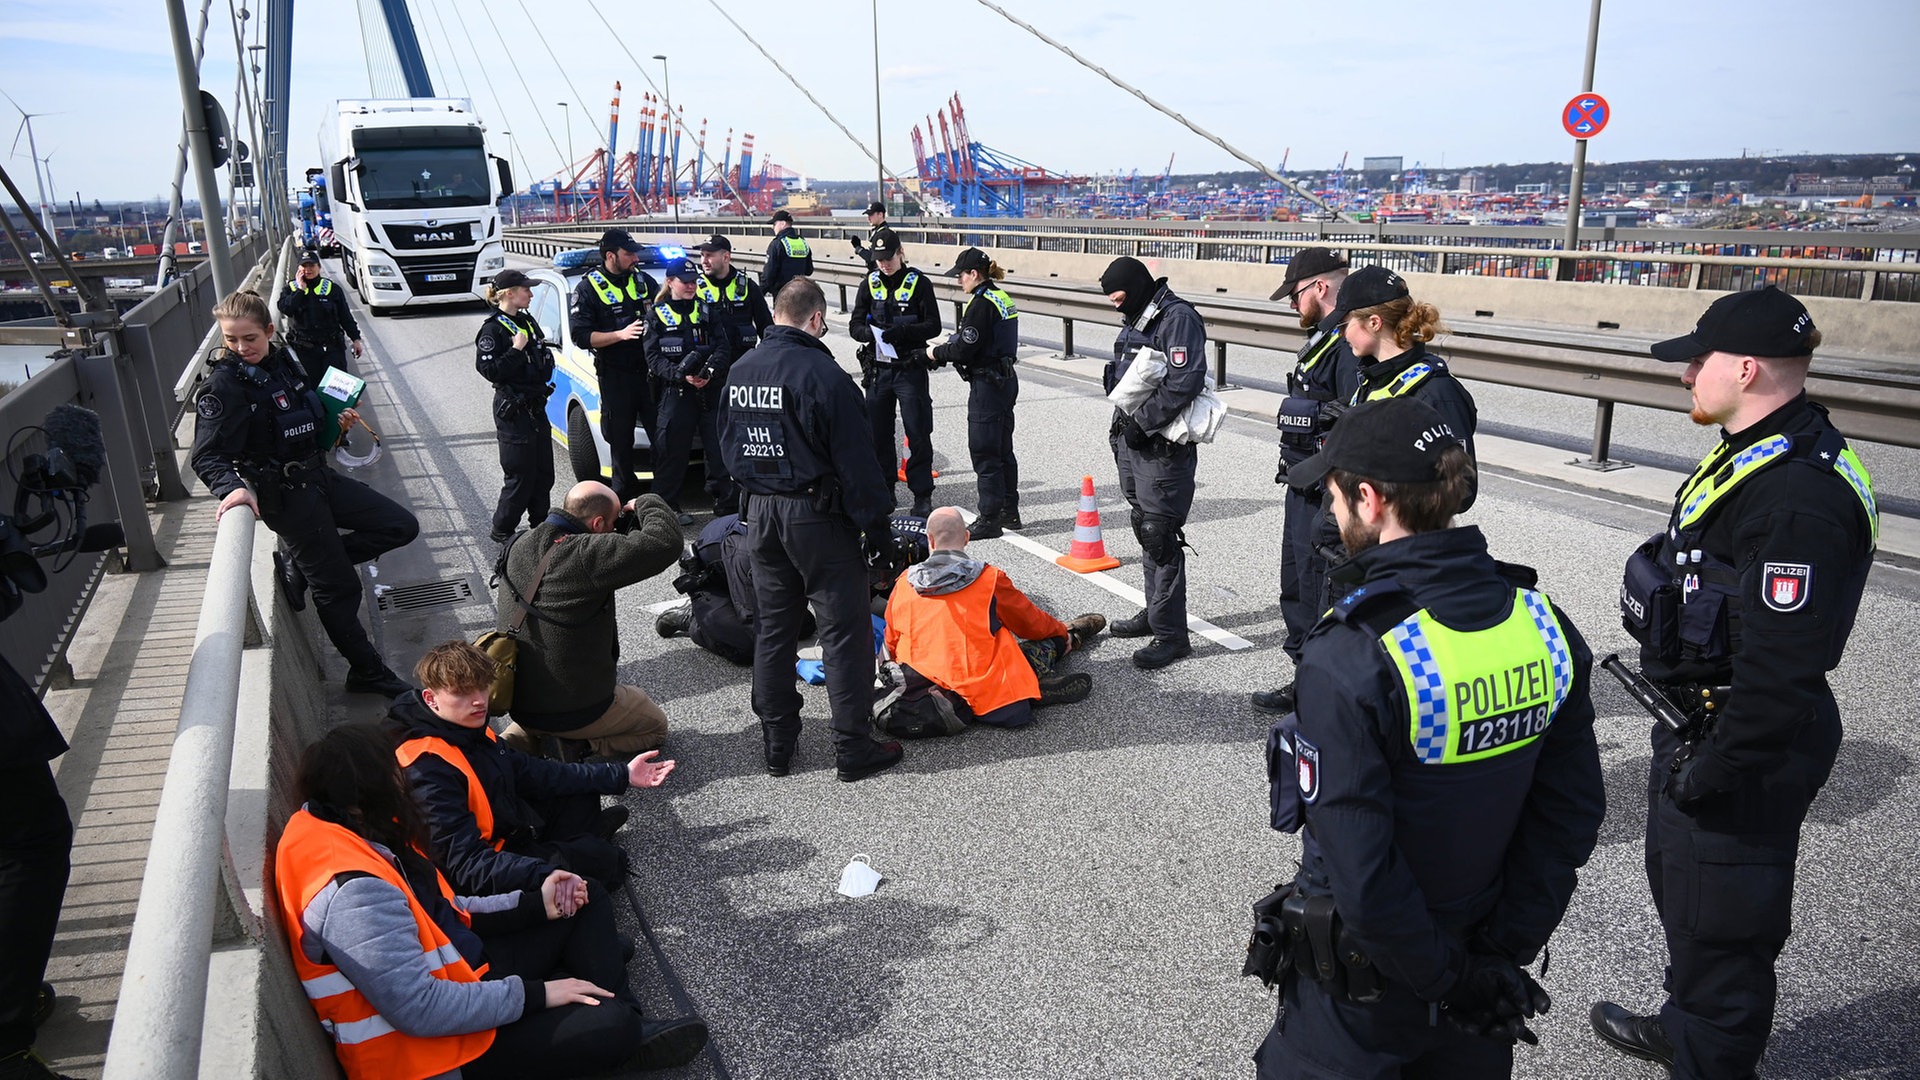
{"x":1441,"y":768}
{"x":1745,"y":600}
{"x":1156,"y":473}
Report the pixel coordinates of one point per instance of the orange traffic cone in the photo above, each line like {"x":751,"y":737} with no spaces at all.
{"x":906,"y":450}
{"x":1089,"y":552}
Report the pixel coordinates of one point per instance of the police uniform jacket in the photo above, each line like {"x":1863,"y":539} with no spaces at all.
{"x":1786,"y":552}
{"x":909,"y":325}
{"x":590,"y":312}
{"x":1170,"y":326}
{"x":28,"y":729}
{"x":988,"y":335}
{"x":788,"y":256}
{"x":508,"y":779}
{"x":1423,"y":854}
{"x":523,"y":373}
{"x":794,"y":422}
{"x":1326,"y":371}
{"x":253,"y":419}
{"x":317,"y":315}
{"x":743,"y":303}
{"x":1420,"y":374}
{"x":685,"y":335}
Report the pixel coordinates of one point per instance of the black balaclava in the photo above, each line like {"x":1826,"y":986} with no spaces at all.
{"x":1129,"y":275}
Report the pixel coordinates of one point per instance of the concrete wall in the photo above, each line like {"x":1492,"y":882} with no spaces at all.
{"x":1859,"y":328}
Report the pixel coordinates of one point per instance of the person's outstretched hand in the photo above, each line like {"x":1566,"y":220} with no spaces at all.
{"x":646,"y":771}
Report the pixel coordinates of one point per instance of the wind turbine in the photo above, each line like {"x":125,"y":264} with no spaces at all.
{"x":26,"y":124}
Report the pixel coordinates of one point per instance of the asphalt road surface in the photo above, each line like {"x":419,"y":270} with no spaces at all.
{"x":1070,"y":900}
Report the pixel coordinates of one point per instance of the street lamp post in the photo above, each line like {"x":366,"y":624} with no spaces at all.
{"x":673,"y":139}
{"x":879,"y":155}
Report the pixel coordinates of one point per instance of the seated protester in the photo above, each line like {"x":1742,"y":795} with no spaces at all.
{"x":411,"y":980}
{"x":964,"y":625}
{"x":566,"y":677}
{"x":499,"y":819}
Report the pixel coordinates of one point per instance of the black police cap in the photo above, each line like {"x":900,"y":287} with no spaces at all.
{"x":1761,"y":322}
{"x":1369,"y":286}
{"x":309,"y":256}
{"x":876,"y":208}
{"x":1393,"y":441}
{"x":970,"y":259}
{"x":619,"y":240}
{"x":1309,"y":263}
{"x":716,"y":242}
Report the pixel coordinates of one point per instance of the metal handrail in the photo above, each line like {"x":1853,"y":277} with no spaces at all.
{"x":163,"y":993}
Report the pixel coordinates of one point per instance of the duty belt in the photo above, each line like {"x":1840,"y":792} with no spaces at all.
{"x":287,"y":471}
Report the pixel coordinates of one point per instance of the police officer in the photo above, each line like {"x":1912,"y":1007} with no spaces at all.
{"x":1747,"y":599}
{"x":1324,"y":376}
{"x":717,"y":580}
{"x":689,"y":348}
{"x":795,"y":437}
{"x":897,"y":307}
{"x":878,"y":231}
{"x":512,"y":353}
{"x":1156,"y":474}
{"x":1388,"y":331}
{"x":608,"y":314}
{"x":1443,"y":825}
{"x":983,"y":351}
{"x":788,"y":255}
{"x":318,"y":318}
{"x":257,"y":443}
{"x":743,"y":304}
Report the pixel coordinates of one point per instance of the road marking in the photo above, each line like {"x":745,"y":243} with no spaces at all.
{"x":1120,"y":588}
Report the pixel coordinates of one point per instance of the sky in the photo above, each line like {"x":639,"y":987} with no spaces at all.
{"x":1442,"y":84}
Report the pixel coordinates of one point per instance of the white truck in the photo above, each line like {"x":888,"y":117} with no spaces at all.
{"x":415,"y":200}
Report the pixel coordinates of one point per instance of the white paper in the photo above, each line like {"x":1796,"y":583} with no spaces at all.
{"x":886,"y":349}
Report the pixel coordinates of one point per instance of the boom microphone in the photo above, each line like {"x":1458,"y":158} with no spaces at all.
{"x":76,"y":431}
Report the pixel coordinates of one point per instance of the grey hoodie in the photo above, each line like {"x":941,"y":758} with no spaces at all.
{"x":947,"y":570}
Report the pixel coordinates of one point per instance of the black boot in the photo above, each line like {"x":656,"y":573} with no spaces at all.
{"x":1131,"y":626}
{"x":1160,"y":652}
{"x":1274,"y":701}
{"x":674,"y":621}
{"x":858,"y":763}
{"x":668,"y":1044}
{"x":293,"y":583}
{"x":779,"y":749}
{"x":922,"y":505}
{"x":1065,"y":689}
{"x":986,"y":527}
{"x":380,"y":680}
{"x":1633,"y":1035}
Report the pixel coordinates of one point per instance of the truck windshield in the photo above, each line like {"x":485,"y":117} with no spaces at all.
{"x":417,"y":178}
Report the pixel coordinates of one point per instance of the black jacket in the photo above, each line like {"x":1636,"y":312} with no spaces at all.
{"x":30,"y":733}
{"x":508,"y":777}
{"x":983,"y":337}
{"x":1421,"y":858}
{"x":252,"y":419}
{"x":589,"y":312}
{"x":1170,"y":326}
{"x":782,"y":267}
{"x":1446,"y":394}
{"x":317,"y":315}
{"x":908,"y":327}
{"x":524,"y":373}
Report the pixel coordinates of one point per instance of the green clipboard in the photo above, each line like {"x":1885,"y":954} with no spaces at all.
{"x":339,"y":392}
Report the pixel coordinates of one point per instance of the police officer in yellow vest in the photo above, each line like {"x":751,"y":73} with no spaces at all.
{"x":318,"y":318}
{"x":894,"y":316}
{"x":689,"y":350}
{"x":788,"y":255}
{"x":983,"y":351}
{"x":608,"y":315}
{"x":1745,"y":600}
{"x":1441,"y":768}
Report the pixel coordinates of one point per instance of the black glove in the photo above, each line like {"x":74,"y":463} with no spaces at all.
{"x":885,"y":334}
{"x":1690,"y":781}
{"x":886,"y":554}
{"x":1331,"y":412}
{"x":1494,"y":999}
{"x":859,"y":248}
{"x":1135,"y":436}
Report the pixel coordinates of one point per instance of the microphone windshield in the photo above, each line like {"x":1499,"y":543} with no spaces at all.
{"x":76,"y":430}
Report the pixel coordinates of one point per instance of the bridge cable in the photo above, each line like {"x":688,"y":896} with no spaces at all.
{"x":828,"y":113}
{"x":466,"y":90}
{"x":445,"y":84}
{"x":515,"y":64}
{"x":704,"y":160}
{"x":1183,"y":121}
{"x":584,"y":102}
{"x":486,"y":75}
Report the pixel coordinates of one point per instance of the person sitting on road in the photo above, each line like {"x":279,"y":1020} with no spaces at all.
{"x":566,"y":679}
{"x":499,"y":819}
{"x":410,"y":979}
{"x":965,"y":626}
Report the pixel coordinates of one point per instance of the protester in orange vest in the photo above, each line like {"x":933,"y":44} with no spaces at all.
{"x":965,"y":626}
{"x":498,"y":819}
{"x":411,"y":981}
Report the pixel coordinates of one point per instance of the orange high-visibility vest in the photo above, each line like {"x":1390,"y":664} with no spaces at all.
{"x":477,"y":802}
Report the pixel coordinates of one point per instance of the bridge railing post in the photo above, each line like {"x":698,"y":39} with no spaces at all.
{"x":1602,"y":441}
{"x":125,"y":435}
{"x":1067,"y":335}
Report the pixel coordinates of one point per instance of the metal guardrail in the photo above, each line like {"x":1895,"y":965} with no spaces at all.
{"x":1875,"y":406}
{"x":1852,"y":265}
{"x":163,"y":993}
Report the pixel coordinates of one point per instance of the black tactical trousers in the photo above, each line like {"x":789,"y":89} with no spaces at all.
{"x":1722,"y":881}
{"x":990,"y":401}
{"x":804,"y":556}
{"x":36,"y":837}
{"x":717,"y":627}
{"x":908,"y":388}
{"x":1158,"y":483}
{"x":526,"y":463}
{"x":683,"y":412}
{"x":318,"y":358}
{"x":1317,"y":1036}
{"x":626,"y":398}
{"x":1303,"y":569}
{"x":330,"y":526}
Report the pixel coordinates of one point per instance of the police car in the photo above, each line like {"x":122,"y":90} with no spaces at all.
{"x":573,"y":410}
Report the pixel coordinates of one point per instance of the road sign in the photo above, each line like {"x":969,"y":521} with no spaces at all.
{"x":1585,"y":116}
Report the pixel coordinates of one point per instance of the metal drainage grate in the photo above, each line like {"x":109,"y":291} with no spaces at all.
{"x":428,"y":595}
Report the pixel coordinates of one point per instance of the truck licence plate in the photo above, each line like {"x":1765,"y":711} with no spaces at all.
{"x":441,"y":277}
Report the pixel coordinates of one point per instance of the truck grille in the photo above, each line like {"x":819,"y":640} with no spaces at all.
{"x":418,"y":269}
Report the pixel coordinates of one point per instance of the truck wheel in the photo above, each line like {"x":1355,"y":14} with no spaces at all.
{"x":582,"y":454}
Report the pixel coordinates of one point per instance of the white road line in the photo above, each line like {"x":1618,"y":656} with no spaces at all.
{"x":1121,"y":589}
